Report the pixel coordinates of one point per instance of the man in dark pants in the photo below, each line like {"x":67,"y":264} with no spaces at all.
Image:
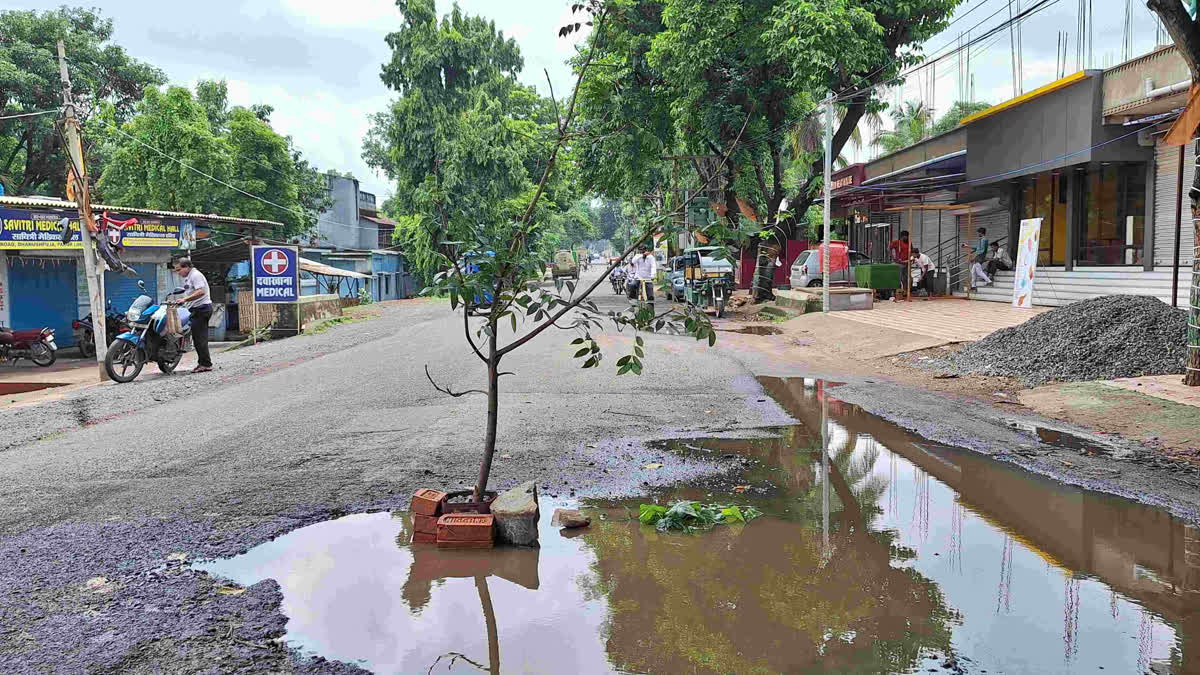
{"x":199,"y":302}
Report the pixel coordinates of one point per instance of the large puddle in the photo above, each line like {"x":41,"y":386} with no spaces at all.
{"x":884,"y":554}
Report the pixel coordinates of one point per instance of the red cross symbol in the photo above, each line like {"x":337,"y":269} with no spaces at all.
{"x":274,"y":262}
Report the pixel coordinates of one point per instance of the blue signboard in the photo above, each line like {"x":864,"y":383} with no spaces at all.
{"x":30,"y":229}
{"x":276,"y":273}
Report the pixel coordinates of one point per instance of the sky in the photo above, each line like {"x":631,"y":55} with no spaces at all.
{"x":318,"y":61}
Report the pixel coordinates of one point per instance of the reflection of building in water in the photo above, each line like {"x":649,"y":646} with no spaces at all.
{"x":1141,"y":552}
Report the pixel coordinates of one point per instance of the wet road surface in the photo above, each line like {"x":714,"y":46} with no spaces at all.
{"x":111,"y":495}
{"x":885,"y":553}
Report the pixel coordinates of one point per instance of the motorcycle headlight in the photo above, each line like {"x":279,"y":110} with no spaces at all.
{"x":132,"y":315}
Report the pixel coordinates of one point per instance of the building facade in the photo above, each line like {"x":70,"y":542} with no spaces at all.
{"x":1083,"y":153}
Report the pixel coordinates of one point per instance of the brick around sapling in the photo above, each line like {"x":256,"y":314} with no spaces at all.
{"x":427,"y":502}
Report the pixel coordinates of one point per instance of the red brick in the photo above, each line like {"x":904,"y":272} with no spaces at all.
{"x":426,"y":502}
{"x":424,"y":538}
{"x":465,"y":544}
{"x":459,"y":527}
{"x":425,"y":524}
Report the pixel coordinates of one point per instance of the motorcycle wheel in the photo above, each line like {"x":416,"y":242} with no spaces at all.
{"x":122,"y":362}
{"x":87,"y":345}
{"x":720,"y":307}
{"x":42,"y":355}
{"x":168,"y":366}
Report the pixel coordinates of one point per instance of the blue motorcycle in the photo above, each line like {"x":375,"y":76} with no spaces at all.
{"x":147,"y":339}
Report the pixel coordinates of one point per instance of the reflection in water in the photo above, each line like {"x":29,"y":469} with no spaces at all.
{"x":880,"y":552}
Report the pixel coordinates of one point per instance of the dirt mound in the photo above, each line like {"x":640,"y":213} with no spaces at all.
{"x":1099,"y":339}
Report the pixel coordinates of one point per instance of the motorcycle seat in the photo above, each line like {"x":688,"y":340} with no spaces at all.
{"x":26,"y":335}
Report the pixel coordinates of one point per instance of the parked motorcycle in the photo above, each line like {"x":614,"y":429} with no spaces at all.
{"x":114,"y":324}
{"x":36,"y":345}
{"x":148,"y":340}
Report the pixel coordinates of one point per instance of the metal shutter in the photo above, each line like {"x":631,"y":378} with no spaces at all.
{"x":120,"y":291}
{"x":43,"y":294}
{"x":1165,"y":180}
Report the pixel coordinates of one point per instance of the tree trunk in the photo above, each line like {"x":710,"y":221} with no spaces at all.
{"x":489,"y":439}
{"x":1182,"y":29}
{"x":764,"y":270}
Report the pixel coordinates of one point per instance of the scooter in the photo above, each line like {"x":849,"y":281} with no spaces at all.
{"x":114,"y":324}
{"x":36,"y":345}
{"x":147,"y":339}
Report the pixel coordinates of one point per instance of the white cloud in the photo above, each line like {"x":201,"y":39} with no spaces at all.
{"x":346,"y":13}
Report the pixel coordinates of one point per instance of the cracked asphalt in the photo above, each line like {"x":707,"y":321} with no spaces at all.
{"x":110,"y":493}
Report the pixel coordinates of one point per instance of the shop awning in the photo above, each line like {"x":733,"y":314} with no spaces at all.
{"x":315,"y":267}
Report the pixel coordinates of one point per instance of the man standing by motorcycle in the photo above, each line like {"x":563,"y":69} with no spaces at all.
{"x":198,"y":301}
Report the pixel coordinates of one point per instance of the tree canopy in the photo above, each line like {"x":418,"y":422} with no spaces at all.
{"x":731,"y":80}
{"x":235,"y":146}
{"x":32,"y":158}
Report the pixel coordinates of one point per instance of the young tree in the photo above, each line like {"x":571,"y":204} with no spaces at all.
{"x":477,"y":160}
{"x":690,"y":73}
{"x":32,"y":159}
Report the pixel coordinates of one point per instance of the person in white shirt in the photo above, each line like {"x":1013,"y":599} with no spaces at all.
{"x":198,"y":300}
{"x":922,"y":270}
{"x":644,"y":269}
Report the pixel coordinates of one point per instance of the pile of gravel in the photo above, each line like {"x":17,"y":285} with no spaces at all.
{"x":1099,"y":339}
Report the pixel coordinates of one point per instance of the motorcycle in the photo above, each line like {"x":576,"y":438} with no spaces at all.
{"x":148,"y":340}
{"x":618,"y":282}
{"x":114,"y":324}
{"x":36,"y":345}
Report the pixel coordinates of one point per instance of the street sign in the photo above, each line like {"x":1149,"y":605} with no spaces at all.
{"x":276,"y":273}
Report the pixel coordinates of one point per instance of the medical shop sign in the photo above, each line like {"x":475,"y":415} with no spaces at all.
{"x":276,"y":273}
{"x":24,"y":229}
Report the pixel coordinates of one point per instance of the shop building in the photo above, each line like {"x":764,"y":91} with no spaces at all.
{"x":1083,"y":153}
{"x":42,"y":280}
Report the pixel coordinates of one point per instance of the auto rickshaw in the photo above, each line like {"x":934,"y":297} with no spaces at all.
{"x":707,"y":281}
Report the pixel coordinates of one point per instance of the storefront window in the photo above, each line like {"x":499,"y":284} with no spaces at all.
{"x":1114,"y":216}
{"x":1044,"y":196}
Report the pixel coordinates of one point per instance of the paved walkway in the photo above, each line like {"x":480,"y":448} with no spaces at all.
{"x":948,"y":319}
{"x":1167,"y":387}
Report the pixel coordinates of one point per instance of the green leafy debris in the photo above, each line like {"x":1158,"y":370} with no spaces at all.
{"x":690,"y":517}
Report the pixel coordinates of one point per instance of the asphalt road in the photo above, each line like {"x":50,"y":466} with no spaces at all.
{"x":108,"y":492}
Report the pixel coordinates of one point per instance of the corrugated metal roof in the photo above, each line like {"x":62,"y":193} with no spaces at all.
{"x":319,"y":268}
{"x":51,"y":203}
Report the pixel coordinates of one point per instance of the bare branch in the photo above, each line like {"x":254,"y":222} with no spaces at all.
{"x":558,"y":120}
{"x":446,"y":390}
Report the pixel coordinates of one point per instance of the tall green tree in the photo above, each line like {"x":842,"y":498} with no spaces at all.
{"x":729,"y":78}
{"x":912,"y":126}
{"x":235,"y":146}
{"x":32,"y":159}
{"x":957,"y":112}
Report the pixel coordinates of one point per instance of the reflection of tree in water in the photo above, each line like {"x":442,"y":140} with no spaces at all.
{"x":760,"y":598}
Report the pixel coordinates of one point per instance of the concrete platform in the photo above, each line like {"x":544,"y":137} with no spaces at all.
{"x":841,"y":298}
{"x":1167,"y":387}
{"x":946,"y":319}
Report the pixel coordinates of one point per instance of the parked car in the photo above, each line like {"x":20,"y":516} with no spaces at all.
{"x":806,"y":270}
{"x":675,"y":278}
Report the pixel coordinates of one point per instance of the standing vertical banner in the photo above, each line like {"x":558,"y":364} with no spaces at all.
{"x":1027,"y":255}
{"x":276,"y":273}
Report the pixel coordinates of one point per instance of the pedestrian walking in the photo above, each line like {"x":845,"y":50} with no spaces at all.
{"x":645,"y":268}
{"x":198,"y":301}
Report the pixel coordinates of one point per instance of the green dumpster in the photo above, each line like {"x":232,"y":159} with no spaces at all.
{"x":878,"y":277}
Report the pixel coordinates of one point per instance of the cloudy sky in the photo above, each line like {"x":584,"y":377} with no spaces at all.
{"x":317,"y":61}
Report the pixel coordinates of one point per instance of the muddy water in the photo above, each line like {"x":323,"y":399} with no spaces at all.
{"x":883,"y":554}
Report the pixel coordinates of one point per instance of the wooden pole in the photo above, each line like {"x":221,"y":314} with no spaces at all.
{"x":93,"y":272}
{"x":908,"y":258}
{"x":827,"y":257}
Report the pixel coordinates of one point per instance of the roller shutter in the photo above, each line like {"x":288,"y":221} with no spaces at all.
{"x":1165,"y":181}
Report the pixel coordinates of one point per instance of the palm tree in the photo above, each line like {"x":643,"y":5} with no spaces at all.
{"x":912,"y":126}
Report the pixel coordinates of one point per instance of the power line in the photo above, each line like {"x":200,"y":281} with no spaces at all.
{"x":32,"y":114}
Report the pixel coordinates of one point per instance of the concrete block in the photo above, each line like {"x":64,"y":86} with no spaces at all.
{"x":570,"y":518}
{"x":516,"y":513}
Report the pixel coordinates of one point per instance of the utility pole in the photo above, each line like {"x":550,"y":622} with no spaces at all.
{"x":827,"y":258}
{"x":92,"y":270}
